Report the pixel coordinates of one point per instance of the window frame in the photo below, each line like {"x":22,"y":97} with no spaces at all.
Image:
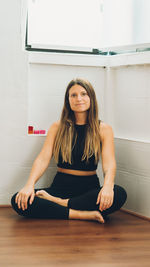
{"x":108,"y":56}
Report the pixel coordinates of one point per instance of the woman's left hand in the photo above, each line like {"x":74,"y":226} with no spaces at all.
{"x":105,"y":197}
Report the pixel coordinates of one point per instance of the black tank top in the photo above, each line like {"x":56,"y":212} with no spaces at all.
{"x":77,"y":152}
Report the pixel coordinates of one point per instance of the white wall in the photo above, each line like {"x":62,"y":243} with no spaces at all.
{"x":47,"y":85}
{"x":113,"y":91}
{"x":128,"y":111}
{"x":13,"y":100}
{"x":18,"y":150}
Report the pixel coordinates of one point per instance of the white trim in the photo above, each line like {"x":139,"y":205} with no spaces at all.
{"x":24,"y":11}
{"x":129,"y":59}
{"x":128,"y":47}
{"x":135,"y":214}
{"x":133,"y":139}
{"x":89,"y":60}
{"x":67,"y":59}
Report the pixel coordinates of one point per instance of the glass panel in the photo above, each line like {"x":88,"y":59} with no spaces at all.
{"x":125,"y":23}
{"x":57,"y":23}
{"x":105,"y":25}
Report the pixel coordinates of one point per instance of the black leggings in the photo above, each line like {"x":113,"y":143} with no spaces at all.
{"x":82,"y":192}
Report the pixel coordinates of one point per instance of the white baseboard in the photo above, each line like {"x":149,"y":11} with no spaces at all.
{"x":135,"y":214}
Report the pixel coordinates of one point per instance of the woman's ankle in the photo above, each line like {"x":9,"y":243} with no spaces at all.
{"x":63,"y":202}
{"x":86,"y":215}
{"x":75,"y":214}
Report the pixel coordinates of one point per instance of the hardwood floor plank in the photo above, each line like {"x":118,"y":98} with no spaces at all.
{"x":123,"y":241}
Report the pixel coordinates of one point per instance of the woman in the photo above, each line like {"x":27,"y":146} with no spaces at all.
{"x":76,"y":141}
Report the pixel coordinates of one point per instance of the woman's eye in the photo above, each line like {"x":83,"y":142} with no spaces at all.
{"x":84,"y":94}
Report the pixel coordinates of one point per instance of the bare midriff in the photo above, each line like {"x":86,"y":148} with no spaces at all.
{"x":76,"y":172}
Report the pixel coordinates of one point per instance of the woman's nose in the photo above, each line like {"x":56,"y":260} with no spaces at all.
{"x":79,"y":97}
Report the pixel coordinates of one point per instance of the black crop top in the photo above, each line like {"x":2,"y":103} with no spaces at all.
{"x":77,"y":152}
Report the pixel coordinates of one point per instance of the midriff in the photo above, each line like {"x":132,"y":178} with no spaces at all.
{"x":76,"y":172}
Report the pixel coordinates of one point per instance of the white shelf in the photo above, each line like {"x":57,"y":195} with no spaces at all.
{"x":126,"y":59}
{"x":36,"y":134}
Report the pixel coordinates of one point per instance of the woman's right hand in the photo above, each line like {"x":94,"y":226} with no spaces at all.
{"x":23,"y":195}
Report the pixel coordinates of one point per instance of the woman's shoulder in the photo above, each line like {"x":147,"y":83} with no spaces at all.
{"x":54,"y":126}
{"x":104,"y":125}
{"x":105,"y":130}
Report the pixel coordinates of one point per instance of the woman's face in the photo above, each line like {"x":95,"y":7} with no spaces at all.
{"x":79,"y":99}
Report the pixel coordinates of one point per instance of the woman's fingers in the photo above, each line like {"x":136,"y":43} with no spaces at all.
{"x":106,"y":195}
{"x":101,"y":206}
{"x":98,"y":198}
{"x":105,"y":204}
{"x":16,"y":199}
{"x":22,"y":197}
{"x":21,"y":200}
{"x":24,"y":200}
{"x":32,"y":198}
{"x":22,"y":203}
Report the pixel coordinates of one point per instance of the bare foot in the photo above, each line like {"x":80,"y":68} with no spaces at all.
{"x":94,"y":215}
{"x":99,"y":217}
{"x":86,"y":215}
{"x":45,"y":195}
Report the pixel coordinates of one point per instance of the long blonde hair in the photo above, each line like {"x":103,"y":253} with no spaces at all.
{"x":66,"y":134}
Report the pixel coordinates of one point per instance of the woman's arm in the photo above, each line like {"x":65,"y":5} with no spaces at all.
{"x":105,"y":197}
{"x":39,"y":166}
{"x":108,"y":154}
{"x":42,"y":161}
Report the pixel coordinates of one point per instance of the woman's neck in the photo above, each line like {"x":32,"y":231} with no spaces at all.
{"x":81,"y":118}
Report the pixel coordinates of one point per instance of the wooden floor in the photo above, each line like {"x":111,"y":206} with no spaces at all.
{"x":124,"y":241}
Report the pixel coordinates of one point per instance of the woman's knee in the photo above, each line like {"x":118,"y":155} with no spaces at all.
{"x":16,"y":208}
{"x":120,"y":195}
{"x":13,"y":203}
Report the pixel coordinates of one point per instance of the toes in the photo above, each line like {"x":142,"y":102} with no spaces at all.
{"x":100,"y":218}
{"x":40,"y":192}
